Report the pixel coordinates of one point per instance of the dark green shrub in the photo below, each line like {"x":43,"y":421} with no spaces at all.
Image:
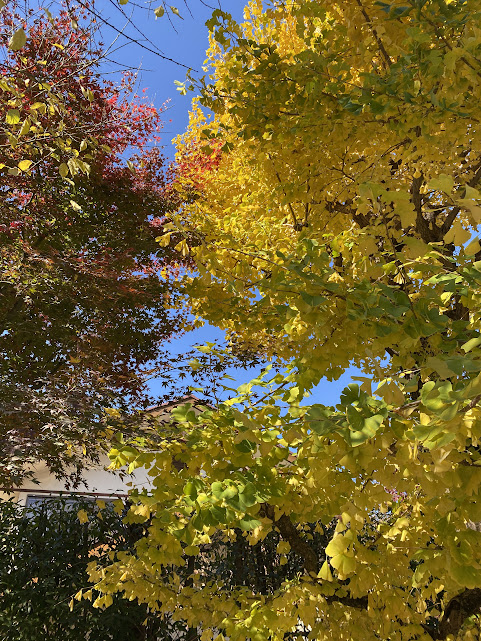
{"x":44,"y":551}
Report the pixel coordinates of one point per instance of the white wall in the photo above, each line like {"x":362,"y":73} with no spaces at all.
{"x":97,"y":479}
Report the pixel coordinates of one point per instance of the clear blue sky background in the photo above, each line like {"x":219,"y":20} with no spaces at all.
{"x":185,"y":41}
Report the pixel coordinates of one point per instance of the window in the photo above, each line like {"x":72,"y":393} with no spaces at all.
{"x":35,"y":503}
{"x":35,"y":500}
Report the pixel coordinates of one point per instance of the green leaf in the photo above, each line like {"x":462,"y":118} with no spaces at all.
{"x":355,"y":418}
{"x":369,"y":429}
{"x":433,"y":403}
{"x":313,"y":301}
{"x":192,"y":488}
{"x":219,"y":514}
{"x":442,"y":183}
{"x":198,"y":521}
{"x":18,"y":40}
{"x":246,"y":446}
{"x":384,"y":6}
{"x":350,"y":394}
{"x":183,"y":413}
{"x":465,"y":575}
{"x":249,"y":522}
{"x":400,"y":12}
{"x":230,"y":492}
{"x":247,"y":496}
{"x":217,"y":488}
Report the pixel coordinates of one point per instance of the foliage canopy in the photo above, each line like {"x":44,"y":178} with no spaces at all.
{"x":84,"y":287}
{"x":43,"y":555}
{"x":337,"y":227}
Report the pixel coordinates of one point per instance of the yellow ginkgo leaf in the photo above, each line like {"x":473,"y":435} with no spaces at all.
{"x":457,"y":234}
{"x":25,"y":128}
{"x":82,"y":516}
{"x":343,"y":563}
{"x":18,"y":40}
{"x":325,"y":572}
{"x":12,"y":117}
{"x":24,"y":165}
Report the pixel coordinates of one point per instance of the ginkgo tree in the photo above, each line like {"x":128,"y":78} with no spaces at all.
{"x":338,"y":227}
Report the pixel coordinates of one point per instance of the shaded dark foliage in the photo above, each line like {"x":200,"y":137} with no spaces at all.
{"x":44,"y":552}
{"x":85,"y":290}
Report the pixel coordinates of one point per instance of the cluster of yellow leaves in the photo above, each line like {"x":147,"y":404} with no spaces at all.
{"x":334,"y":230}
{"x":399,"y":551}
{"x":332,"y":137}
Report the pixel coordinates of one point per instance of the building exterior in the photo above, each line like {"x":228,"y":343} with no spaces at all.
{"x":99,"y":482}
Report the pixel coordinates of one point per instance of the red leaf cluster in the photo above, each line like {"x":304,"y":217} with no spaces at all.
{"x":84,"y":286}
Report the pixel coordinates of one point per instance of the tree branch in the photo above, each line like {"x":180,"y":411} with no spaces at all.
{"x":472,"y":404}
{"x":360,"y":603}
{"x":433,"y":235}
{"x":290,"y":534}
{"x":344,"y":208}
{"x":446,"y":226}
{"x":457,"y":611}
{"x":449,"y":220}
{"x":379,"y":42}
{"x":295,"y":223}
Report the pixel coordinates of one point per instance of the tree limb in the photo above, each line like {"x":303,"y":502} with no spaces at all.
{"x":457,"y":611}
{"x":344,"y":208}
{"x":429,"y":235}
{"x":290,"y":534}
{"x":472,"y":404}
{"x":360,"y":603}
{"x":378,"y":40}
{"x":446,"y":226}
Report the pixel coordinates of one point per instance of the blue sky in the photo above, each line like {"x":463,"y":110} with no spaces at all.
{"x":185,"y":41}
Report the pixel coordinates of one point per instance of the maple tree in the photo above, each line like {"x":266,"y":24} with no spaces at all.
{"x":84,"y":288}
{"x":338,"y":227}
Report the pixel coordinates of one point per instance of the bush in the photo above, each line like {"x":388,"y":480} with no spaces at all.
{"x":44,"y":551}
